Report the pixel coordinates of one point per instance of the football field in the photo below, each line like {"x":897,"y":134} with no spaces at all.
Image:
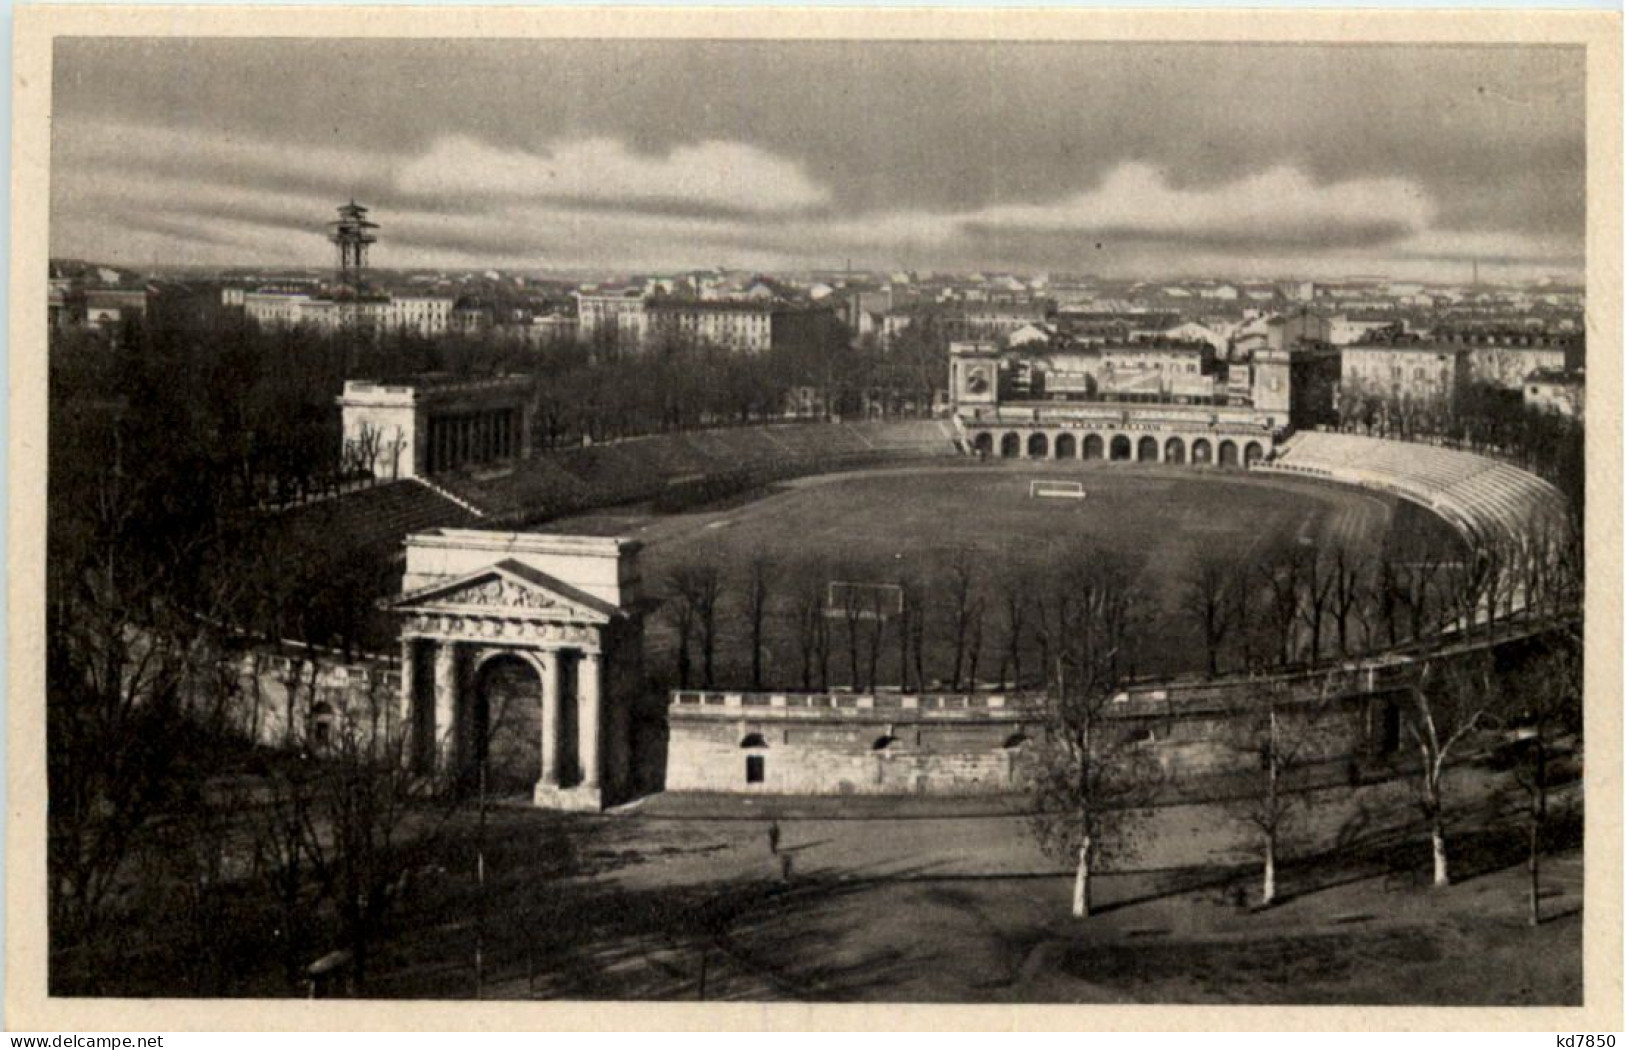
{"x":917,"y":523}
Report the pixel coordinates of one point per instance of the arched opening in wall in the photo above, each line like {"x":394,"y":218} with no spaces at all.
{"x":1014,"y":740}
{"x":1174,"y":451}
{"x":755,"y":764}
{"x":320,"y":733}
{"x":1148,"y":449}
{"x":1037,"y":446}
{"x":984,"y":443}
{"x":1010,"y":446}
{"x":1066,"y":447}
{"x":1094,"y":447}
{"x":883,"y":742}
{"x":1227,"y":453}
{"x":1255,"y":452}
{"x":1122,"y":449}
{"x":505,"y":725}
{"x":1142,"y":736}
{"x":1201,"y":451}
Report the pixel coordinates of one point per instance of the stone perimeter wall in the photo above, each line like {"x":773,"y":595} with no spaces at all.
{"x":967,"y":744}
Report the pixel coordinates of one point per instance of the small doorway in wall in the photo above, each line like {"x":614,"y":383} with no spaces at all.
{"x":755,"y":769}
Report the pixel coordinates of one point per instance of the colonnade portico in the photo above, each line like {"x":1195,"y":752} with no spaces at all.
{"x":1165,"y":444}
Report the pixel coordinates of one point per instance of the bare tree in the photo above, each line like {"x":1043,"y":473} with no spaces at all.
{"x":1208,"y":600}
{"x":757,"y":590}
{"x":1542,"y":712}
{"x":694,"y":591}
{"x":877,"y":615}
{"x":961,"y":604}
{"x":1417,"y":581}
{"x":1278,"y":731}
{"x":1444,"y":707}
{"x":852,"y":609}
{"x":357,"y":835}
{"x":1317,"y":577}
{"x":809,"y":618}
{"x":1281,"y":571}
{"x":1347,"y":569}
{"x":1089,"y":772}
{"x":1015,"y":599}
{"x":685,"y":617}
{"x":973,"y":642}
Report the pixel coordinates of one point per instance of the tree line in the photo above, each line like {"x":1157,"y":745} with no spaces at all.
{"x":258,"y":402}
{"x":984,"y":621}
{"x":1094,"y":779}
{"x":1479,"y":417}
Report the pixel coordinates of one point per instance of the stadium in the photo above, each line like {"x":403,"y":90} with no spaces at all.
{"x":837,"y":608}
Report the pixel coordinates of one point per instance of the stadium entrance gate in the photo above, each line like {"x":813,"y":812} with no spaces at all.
{"x":563,"y":606}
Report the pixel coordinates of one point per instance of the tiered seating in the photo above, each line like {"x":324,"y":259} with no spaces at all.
{"x":924,"y":436}
{"x":533,"y":488}
{"x":371,"y":517}
{"x":1489,"y":499}
{"x":563,"y":481}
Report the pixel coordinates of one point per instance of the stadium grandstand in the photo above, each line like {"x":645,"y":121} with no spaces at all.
{"x":1489,"y":500}
{"x":563,"y":481}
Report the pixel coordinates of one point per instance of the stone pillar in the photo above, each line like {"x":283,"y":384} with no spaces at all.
{"x":445,"y":705}
{"x":409,"y":720}
{"x":588,"y":715}
{"x":551,"y":687}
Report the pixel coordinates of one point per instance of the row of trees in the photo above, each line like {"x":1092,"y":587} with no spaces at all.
{"x":949,"y":632}
{"x":1094,"y":779}
{"x":978,"y":620}
{"x":1477,"y":416}
{"x":259,"y":401}
{"x":1296,"y":603}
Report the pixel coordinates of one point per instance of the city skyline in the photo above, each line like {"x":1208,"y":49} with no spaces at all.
{"x":1121,"y":160}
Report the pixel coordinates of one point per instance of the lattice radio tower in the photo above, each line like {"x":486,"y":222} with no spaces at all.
{"x":352,"y":234}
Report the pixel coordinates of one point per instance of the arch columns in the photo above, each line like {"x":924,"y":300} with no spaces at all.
{"x":552,"y":685}
{"x":445,"y":730}
{"x":589,"y":693}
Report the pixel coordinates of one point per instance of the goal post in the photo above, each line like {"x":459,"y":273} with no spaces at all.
{"x":1041,"y":489}
{"x":864,"y":601}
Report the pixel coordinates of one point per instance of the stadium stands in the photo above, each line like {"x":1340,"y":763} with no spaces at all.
{"x":1487,"y":499}
{"x":569,"y":480}
{"x":377,"y":516}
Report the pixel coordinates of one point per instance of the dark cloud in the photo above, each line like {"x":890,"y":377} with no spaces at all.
{"x":1492,"y":136}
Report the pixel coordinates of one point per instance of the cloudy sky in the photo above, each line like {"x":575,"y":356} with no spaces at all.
{"x":1138,"y":160}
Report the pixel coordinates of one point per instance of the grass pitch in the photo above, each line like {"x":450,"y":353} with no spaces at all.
{"x":894,"y":524}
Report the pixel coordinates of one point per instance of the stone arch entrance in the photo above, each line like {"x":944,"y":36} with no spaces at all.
{"x":1148,"y":449}
{"x":1038,"y":446}
{"x":1174,"y":451}
{"x":1255,"y":452}
{"x":1122,"y":449}
{"x":504,"y":663}
{"x":1227,"y":453}
{"x":1066,"y":447}
{"x":1094,"y":447}
{"x":983,"y":443}
{"x":1201,"y":451}
{"x":1010,"y":445}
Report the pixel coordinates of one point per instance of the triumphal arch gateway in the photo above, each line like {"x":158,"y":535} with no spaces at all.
{"x":558,"y":615}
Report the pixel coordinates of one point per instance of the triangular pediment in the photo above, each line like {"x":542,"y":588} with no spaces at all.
{"x":509,"y":588}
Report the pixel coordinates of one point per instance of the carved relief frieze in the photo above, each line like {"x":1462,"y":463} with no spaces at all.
{"x":459,"y":627}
